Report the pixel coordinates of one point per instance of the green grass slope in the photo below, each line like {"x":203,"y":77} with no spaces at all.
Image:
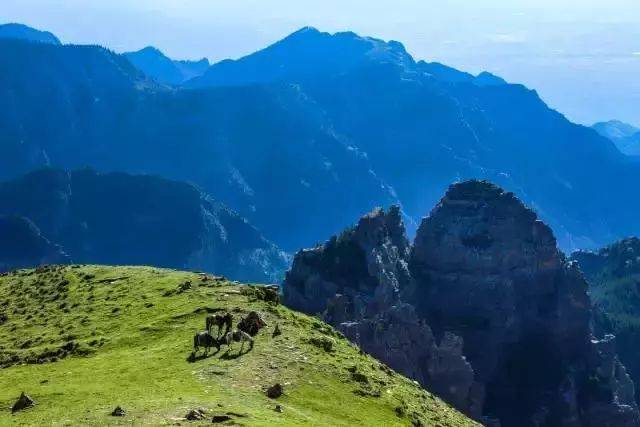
{"x":83,"y":340}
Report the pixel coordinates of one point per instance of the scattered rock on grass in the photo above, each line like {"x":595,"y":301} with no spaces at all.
{"x":277,"y":331}
{"x":183,"y":287}
{"x":359,"y":377}
{"x":195,"y":415}
{"x":23,"y":402}
{"x":221,"y":418}
{"x":278,"y":408}
{"x":324,"y":343}
{"x":274,"y":391}
{"x":118,"y":412}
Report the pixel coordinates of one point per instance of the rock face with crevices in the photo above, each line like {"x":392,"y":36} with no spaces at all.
{"x":483,"y":309}
{"x":489,"y":271}
{"x":356,"y":280}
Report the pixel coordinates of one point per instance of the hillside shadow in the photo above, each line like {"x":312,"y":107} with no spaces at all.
{"x":192,"y":358}
{"x":227,"y":355}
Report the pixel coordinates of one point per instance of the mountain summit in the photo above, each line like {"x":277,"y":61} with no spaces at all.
{"x":306,"y":53}
{"x":163,"y":69}
{"x":625,"y":136}
{"x":23,"y":32}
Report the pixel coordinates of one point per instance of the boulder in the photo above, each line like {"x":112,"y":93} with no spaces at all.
{"x":195,"y":415}
{"x":275,"y":391}
{"x":221,"y":419}
{"x":23,"y":402}
{"x":118,"y":412}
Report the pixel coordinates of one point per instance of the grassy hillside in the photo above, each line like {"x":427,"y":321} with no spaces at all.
{"x":83,"y":340}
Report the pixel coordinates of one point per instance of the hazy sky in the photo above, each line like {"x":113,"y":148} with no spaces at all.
{"x":582,"y":56}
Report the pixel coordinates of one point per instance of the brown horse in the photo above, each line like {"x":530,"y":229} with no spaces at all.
{"x":219,"y":320}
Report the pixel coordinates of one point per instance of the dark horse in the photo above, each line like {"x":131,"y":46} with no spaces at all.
{"x":206,"y":340}
{"x":220,"y":320}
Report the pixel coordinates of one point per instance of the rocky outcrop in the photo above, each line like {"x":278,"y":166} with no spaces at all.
{"x":488,"y":270}
{"x":483,"y":310}
{"x":356,"y":280}
{"x":367,"y":264}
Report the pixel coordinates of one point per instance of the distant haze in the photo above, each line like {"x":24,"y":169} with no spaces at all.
{"x":583,"y":57}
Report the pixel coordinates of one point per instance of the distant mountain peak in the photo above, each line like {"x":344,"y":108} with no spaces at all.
{"x":155,"y":64}
{"x":486,"y":78}
{"x":305,"y":53}
{"x":24,"y":32}
{"x":151,"y":50}
{"x":615,"y":129}
{"x":305,"y":31}
{"x":625,"y":136}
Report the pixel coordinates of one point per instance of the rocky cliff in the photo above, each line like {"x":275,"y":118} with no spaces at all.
{"x":483,"y":309}
{"x":357,"y":280}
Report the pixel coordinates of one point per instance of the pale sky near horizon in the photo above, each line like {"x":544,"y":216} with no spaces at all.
{"x":582,"y":56}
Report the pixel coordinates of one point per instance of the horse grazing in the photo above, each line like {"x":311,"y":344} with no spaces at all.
{"x":219,"y":320}
{"x":237,"y":336}
{"x":206,"y":340}
{"x":252,"y":323}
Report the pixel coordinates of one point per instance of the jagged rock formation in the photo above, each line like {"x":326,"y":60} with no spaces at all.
{"x":366,"y":263}
{"x":490,"y":271}
{"x":356,"y":279}
{"x":483,"y":310}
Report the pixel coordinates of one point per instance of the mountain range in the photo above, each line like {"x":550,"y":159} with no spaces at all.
{"x":312,"y":131}
{"x":58,"y":217}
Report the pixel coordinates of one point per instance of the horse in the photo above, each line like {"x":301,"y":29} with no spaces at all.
{"x":237,"y":336}
{"x":206,"y":340}
{"x":219,"y":320}
{"x":252,"y":323}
